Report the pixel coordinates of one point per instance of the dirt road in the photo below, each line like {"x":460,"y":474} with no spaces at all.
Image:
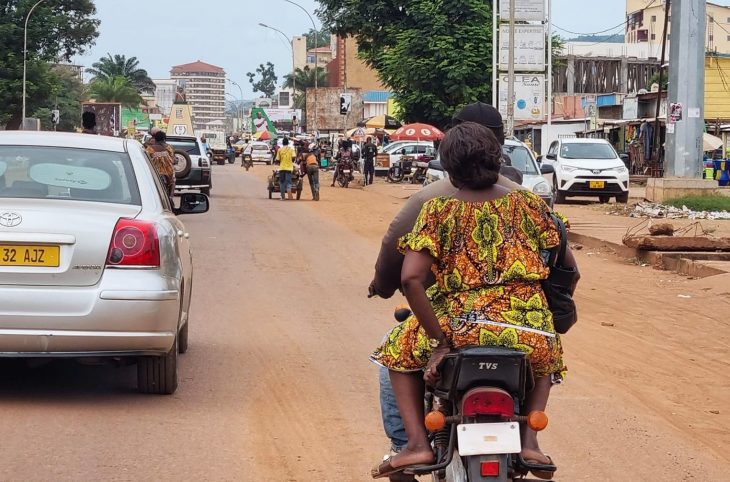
{"x":277,"y":386}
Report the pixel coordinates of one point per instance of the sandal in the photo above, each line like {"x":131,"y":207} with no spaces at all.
{"x":385,"y":469}
{"x":537,"y":468}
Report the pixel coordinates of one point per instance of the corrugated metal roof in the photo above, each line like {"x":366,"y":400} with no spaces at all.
{"x":377,"y":96}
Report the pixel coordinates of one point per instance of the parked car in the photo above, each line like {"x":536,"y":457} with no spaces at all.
{"x":192,"y":171}
{"x":588,"y":167}
{"x":393,"y":146}
{"x":534,"y":177}
{"x":94,"y":261}
{"x":260,"y":152}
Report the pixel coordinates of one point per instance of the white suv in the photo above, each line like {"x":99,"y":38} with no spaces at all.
{"x":587,"y":167}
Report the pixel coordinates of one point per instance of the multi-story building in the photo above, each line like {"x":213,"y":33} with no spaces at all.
{"x":304,"y":57}
{"x":645,"y":24}
{"x":165,"y":94}
{"x":205,"y":90}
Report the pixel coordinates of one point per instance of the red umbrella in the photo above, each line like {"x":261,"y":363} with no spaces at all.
{"x":417,"y":132}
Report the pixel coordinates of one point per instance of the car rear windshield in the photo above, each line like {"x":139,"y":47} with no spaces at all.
{"x":191,"y":147}
{"x":593,"y":150}
{"x":521,"y":159}
{"x":259,"y":148}
{"x":67,"y":173}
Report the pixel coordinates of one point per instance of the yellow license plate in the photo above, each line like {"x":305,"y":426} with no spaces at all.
{"x":22,"y":255}
{"x":597,"y":184}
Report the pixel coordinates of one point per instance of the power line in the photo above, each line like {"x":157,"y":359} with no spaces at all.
{"x":602,"y":31}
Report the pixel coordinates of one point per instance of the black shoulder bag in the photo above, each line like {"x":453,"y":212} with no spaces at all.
{"x":560,"y":284}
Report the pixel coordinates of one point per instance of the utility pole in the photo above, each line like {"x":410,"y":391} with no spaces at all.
{"x":511,"y":73}
{"x":686,"y":88}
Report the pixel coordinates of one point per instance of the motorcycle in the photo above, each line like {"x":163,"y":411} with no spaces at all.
{"x":408,"y":168}
{"x":475,"y":415}
{"x":344,"y":172}
{"x":247,"y":161}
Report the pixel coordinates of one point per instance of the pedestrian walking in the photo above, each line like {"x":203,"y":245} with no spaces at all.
{"x":285,"y":157}
{"x":163,"y":160}
{"x":369,"y":152}
{"x":310,"y":166}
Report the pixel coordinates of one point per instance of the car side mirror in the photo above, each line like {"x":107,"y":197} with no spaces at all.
{"x":193,"y":203}
{"x":547,"y":169}
{"x":552,"y":157}
{"x":539,"y":159}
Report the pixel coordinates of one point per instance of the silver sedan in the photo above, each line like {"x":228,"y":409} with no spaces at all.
{"x":93,"y":259}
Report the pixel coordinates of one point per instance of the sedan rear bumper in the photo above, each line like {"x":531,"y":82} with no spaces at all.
{"x":62,"y":343}
{"x":109,"y":317}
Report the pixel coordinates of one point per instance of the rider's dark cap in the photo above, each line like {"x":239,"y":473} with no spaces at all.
{"x":480,"y":113}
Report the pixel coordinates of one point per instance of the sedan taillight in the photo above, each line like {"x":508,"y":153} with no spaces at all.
{"x":134,"y":244}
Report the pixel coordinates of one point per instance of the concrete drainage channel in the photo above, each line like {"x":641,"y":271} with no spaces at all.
{"x":694,"y":264}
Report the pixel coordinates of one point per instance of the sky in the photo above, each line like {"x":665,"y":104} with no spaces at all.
{"x":163,"y":33}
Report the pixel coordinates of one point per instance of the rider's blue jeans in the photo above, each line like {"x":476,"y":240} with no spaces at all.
{"x":392,"y":422}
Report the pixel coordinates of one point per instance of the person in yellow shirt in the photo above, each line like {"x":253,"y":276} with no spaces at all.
{"x":285,"y":157}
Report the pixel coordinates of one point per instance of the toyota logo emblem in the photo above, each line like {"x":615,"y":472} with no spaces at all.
{"x":10,"y":220}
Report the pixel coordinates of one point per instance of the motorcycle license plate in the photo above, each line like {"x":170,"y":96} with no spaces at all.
{"x":346,"y":171}
{"x":489,"y":438}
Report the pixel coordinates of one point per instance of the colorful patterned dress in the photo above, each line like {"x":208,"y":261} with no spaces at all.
{"x":488,"y":270}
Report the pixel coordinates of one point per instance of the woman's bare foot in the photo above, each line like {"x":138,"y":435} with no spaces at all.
{"x":415,"y":456}
{"x":535,"y":456}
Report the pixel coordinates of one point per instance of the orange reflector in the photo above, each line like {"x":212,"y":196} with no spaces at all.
{"x":435,"y":421}
{"x":490,"y":469}
{"x":537,"y":420}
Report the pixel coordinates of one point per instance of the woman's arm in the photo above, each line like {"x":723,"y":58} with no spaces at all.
{"x":414,"y":275}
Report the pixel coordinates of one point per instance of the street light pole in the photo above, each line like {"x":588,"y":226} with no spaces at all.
{"x":240,"y":107}
{"x":25,"y":56}
{"x":291,"y":47}
{"x":316,"y":61}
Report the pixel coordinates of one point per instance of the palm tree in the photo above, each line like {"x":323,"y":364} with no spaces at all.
{"x":120,"y":66}
{"x":115,"y":89}
{"x":304,"y":80}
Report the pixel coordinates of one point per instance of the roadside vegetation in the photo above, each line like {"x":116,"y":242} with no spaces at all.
{"x":701,"y":203}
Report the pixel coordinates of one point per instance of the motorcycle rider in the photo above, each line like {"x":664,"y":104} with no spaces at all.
{"x":387,"y":278}
{"x":344,"y":155}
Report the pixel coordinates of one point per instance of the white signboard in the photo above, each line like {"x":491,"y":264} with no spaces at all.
{"x":533,"y":10}
{"x":530,"y":47}
{"x":529,"y":96}
{"x":631,"y":108}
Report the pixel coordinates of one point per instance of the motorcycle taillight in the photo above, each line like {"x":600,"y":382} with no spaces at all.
{"x":487,"y":401}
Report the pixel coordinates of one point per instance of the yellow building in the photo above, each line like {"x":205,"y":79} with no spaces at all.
{"x":645,"y":24}
{"x":717,"y":89}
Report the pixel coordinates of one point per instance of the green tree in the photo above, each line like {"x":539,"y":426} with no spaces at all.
{"x":121,"y":66}
{"x":58,"y":29}
{"x":267,"y":81}
{"x":304,"y":80}
{"x":434,"y":55}
{"x":66,"y":94}
{"x":654,"y":79}
{"x":323,"y":38}
{"x":115,"y":89}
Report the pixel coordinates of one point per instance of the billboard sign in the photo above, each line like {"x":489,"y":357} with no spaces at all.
{"x":529,"y":48}
{"x":530,"y":10}
{"x":529,"y":96}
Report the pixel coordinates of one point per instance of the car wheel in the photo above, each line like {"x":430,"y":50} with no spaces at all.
{"x":604,"y":199}
{"x":182,"y":338}
{"x":221,"y":162}
{"x":206,"y":191}
{"x":158,"y":374}
{"x":622,"y":198}
{"x":183,"y":164}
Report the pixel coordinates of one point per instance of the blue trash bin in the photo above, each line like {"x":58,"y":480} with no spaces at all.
{"x":722,"y":174}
